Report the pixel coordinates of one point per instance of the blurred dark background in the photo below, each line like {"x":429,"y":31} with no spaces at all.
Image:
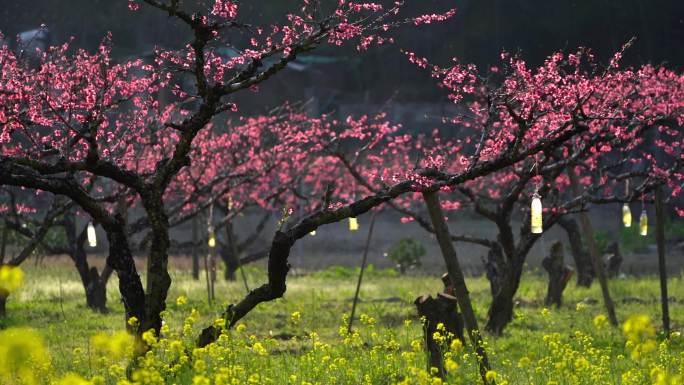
{"x":343,"y":81}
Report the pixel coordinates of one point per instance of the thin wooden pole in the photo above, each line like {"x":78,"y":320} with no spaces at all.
{"x":195,"y":254}
{"x":363,"y":267}
{"x":590,"y":238}
{"x":206,"y":261}
{"x":662,"y":268}
{"x":457,"y":280}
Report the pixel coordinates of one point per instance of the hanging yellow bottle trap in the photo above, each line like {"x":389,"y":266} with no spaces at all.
{"x":92,"y":235}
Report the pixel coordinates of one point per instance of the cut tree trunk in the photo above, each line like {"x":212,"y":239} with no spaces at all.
{"x":583,"y":265}
{"x":559,"y":275}
{"x":96,"y":292}
{"x":441,"y":310}
{"x":457,"y":279}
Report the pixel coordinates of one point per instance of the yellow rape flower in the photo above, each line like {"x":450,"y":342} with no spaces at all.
{"x":21,"y":353}
{"x":73,"y":379}
{"x":11,"y":278}
{"x":115,"y":346}
{"x":600,"y":321}
{"x":295,"y":317}
{"x":181,"y":300}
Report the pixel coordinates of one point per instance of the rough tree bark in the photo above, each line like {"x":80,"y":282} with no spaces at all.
{"x":278,"y":268}
{"x":158,"y":278}
{"x":500,"y":311}
{"x":457,"y":279}
{"x":120,"y":259}
{"x":559,"y":274}
{"x":583,"y":265}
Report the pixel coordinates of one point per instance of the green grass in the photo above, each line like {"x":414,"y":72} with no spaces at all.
{"x":52,"y":302}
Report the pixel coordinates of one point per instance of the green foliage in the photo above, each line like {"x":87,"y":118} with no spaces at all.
{"x":344,"y":272}
{"x":302,"y":338}
{"x":633,"y":242}
{"x":602,"y":239}
{"x":406,"y":253}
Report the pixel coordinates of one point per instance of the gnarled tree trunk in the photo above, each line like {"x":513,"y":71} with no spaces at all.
{"x":158,"y":279}
{"x":583,"y":264}
{"x":120,"y":259}
{"x":500,"y":311}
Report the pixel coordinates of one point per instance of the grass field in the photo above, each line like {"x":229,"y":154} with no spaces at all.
{"x":297,"y":340}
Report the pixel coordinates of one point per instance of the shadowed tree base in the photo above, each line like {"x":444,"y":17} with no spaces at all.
{"x":3,"y":303}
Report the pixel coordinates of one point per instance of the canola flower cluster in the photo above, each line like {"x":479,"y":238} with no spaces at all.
{"x":11,"y":278}
{"x":368,"y":355}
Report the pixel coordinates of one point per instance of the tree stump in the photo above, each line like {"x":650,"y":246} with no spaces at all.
{"x":96,"y":291}
{"x":444,"y":310}
{"x":613,"y":260}
{"x":559,"y":274}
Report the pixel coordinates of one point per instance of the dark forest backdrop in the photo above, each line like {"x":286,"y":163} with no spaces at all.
{"x":479,"y":32}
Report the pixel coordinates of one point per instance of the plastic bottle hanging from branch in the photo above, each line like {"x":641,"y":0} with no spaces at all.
{"x":92,"y":235}
{"x":536,"y":219}
{"x":353,"y":224}
{"x":626,"y":215}
{"x":643,"y":223}
{"x":312,"y":233}
{"x":536,"y":208}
